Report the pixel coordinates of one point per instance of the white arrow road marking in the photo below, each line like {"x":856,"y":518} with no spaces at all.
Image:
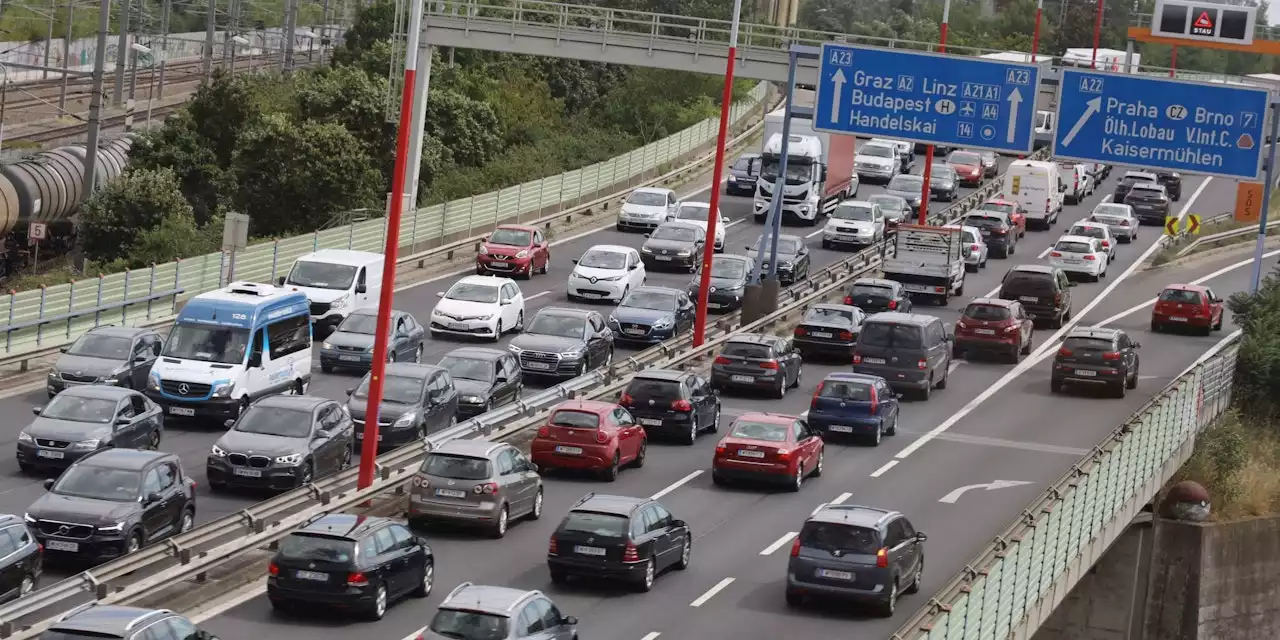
{"x":952,"y":497}
{"x":1015,"y":99}
{"x":1093,"y":106}
{"x":837,"y":89}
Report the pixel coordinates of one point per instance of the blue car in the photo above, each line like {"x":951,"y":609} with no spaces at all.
{"x":649,"y":315}
{"x":855,"y":405}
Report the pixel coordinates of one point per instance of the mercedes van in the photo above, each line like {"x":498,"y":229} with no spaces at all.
{"x":336,"y":282}
{"x":1039,"y":188}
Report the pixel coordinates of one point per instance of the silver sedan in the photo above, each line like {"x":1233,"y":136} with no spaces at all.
{"x":1119,"y":218}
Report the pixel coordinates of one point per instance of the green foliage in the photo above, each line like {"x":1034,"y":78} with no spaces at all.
{"x":138,"y":199}
{"x":221,"y":110}
{"x":1257,"y":375}
{"x":372,"y":28}
{"x":179,"y":148}
{"x":1221,"y":453}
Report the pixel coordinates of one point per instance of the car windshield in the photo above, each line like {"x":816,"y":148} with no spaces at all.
{"x":98,"y":346}
{"x":832,"y":536}
{"x":1071,"y":246}
{"x":1146,"y":193}
{"x":554,"y":324}
{"x":224,"y":345}
{"x":906,"y":183}
{"x":275,"y":421}
{"x":766,"y":431}
{"x":876,"y":151}
{"x":1002,"y":207}
{"x":1086,"y":343}
{"x":443,"y":465}
{"x":603,"y":259}
{"x":986,"y":312}
{"x":891,"y":335}
{"x":744,"y":164}
{"x":1101,"y":218}
{"x":856,"y":212}
{"x":830,"y":315}
{"x":796,"y":173}
{"x":786,"y":247}
{"x":647,"y":199}
{"x":469,"y":625}
{"x":468,"y":368}
{"x":575,"y":419}
{"x":362,"y":323}
{"x":605,"y":525}
{"x":653,"y":300}
{"x":1089,"y":232}
{"x":873,"y":290}
{"x":321,"y":275}
{"x":889,"y":203}
{"x":1042,"y":119}
{"x":1040,"y":283}
{"x":985,"y":222}
{"x":1134,"y":178}
{"x":306,"y":546}
{"x":681,"y":234}
{"x":469,"y":292}
{"x":98,"y":483}
{"x":643,"y":388}
{"x":1180,"y":295}
{"x":80,"y":409}
{"x":845,"y":390}
{"x":747,"y":350}
{"x":512,"y":237}
{"x":942,"y":173}
{"x":397,"y":389}
{"x":961,"y":157}
{"x":694,"y":212}
{"x":730,"y":269}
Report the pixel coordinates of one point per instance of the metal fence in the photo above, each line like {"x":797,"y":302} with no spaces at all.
{"x":52,"y":316}
{"x":1018,"y":580}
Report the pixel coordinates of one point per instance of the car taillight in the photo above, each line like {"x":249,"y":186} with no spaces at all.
{"x":273,"y":569}
{"x":1105,"y":243}
{"x":848,"y":299}
{"x":999,"y":232}
{"x":627,"y":400}
{"x":721,"y":360}
{"x":1124,"y":223}
{"x":631,"y":554}
{"x":543,"y":432}
{"x":1011,"y":328}
{"x":974,"y":247}
{"x":552,"y":549}
{"x":1046,"y":206}
{"x":602,"y":437}
{"x":720,"y":449}
{"x":357,"y":579}
{"x":922,"y":364}
{"x":682,"y":405}
{"x":799,"y":332}
{"x":846,"y":335}
{"x":1057,"y":298}
{"x":882,"y":558}
{"x":795,"y":547}
{"x":1064,"y":352}
{"x":769,"y":364}
{"x":875,"y":401}
{"x":961,"y":325}
{"x":893,"y":304}
{"x":857,"y":358}
{"x":783,"y":454}
{"x":1055,"y":254}
{"x":419,"y":481}
{"x":39,"y":548}
{"x":814,"y":403}
{"x":1091,"y":257}
{"x":1111,"y":355}
{"x":487,"y":488}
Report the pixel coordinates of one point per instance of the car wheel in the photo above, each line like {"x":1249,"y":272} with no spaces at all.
{"x":817,"y":470}
{"x":799,"y":374}
{"x":685,"y":551}
{"x":645,"y":584}
{"x":1055,"y":385}
{"x":1026,"y":349}
{"x":188,"y":520}
{"x":639,"y":461}
{"x":308,"y":474}
{"x":875,"y":437}
{"x":781,"y":391}
{"x":582,"y":370}
{"x":1132,"y":381}
{"x":559,"y":577}
{"x":244,"y":406}
{"x":327,"y":368}
{"x":346,"y":458}
{"x":794,"y":599}
{"x":379,"y":607}
{"x":611,"y":473}
{"x":417,"y":354}
{"x":427,"y":583}
{"x":890,"y":604}
{"x":691,"y":436}
{"x":391,"y":355}
{"x":26,"y":468}
{"x":715,"y":422}
{"x":826,"y":244}
{"x":1155,"y":327}
{"x":134,"y":543}
{"x":153,"y":442}
{"x":1121,"y":389}
{"x":519,"y":322}
{"x":536,"y":514}
{"x":499,"y":529}
{"x":797,"y":481}
{"x":28,"y":585}
{"x":498,"y":331}
{"x":546,"y":264}
{"x":1217,"y":326}
{"x":893,"y":427}
{"x":942,"y":384}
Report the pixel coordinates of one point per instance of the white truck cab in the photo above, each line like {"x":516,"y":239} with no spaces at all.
{"x":337,"y":282}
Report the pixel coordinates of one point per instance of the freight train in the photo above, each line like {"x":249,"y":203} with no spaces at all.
{"x":48,"y":187}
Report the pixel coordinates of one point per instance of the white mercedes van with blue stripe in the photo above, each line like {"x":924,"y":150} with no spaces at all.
{"x":230,"y":347}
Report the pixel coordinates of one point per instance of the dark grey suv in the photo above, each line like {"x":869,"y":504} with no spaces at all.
{"x":115,"y":622}
{"x":856,"y":553}
{"x":120,"y":356}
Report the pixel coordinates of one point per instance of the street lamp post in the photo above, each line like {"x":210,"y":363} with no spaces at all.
{"x":4,"y":97}
{"x":1035,"y":35}
{"x":928,"y":150}
{"x":151,"y":77}
{"x":235,"y":42}
{"x":1097,"y":34}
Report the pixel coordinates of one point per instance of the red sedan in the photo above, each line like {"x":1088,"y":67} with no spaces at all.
{"x":770,"y":447}
{"x":1187,"y":305}
{"x":592,"y":436}
{"x":1017,"y":215}
{"x":968,"y":166}
{"x":514,"y":249}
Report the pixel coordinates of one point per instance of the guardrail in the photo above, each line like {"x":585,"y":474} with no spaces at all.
{"x":146,"y":572}
{"x":1225,"y":235}
{"x":452,"y":225}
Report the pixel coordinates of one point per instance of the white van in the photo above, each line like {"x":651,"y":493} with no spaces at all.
{"x":1078,"y":180}
{"x":1038,"y":187}
{"x":337,"y":282}
{"x":1046,"y":123}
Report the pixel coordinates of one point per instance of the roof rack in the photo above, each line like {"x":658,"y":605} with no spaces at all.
{"x":80,"y":609}
{"x":456,"y":590}
{"x":581,"y":501}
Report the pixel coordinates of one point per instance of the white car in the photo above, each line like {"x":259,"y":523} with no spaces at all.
{"x":481,"y":306}
{"x":605,"y":272}
{"x":906,"y":151}
{"x":877,"y":161}
{"x":646,"y":208}
{"x":1081,"y":255}
{"x":854,"y":222}
{"x":698,"y":213}
{"x":1100,"y":232}
{"x":1119,"y":218}
{"x":975,"y":248}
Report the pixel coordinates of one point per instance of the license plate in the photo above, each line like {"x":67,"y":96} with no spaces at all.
{"x":588,"y":551}
{"x":572,"y":451}
{"x":835,"y":575}
{"x":59,"y":545}
{"x":457,"y":327}
{"x":745,"y":453}
{"x":360,"y":436}
{"x":499,"y":265}
{"x":651,"y":422}
{"x":822,"y":334}
{"x":1086,"y":373}
{"x":714,"y":305}
{"x":840,"y":428}
{"x":1028,"y":298}
{"x":54,"y":455}
{"x":873,"y":360}
{"x":541,"y":366}
{"x":664,"y":258}
{"x":313,"y":575}
{"x":635,"y":332}
{"x":918,"y":288}
{"x":1177,"y":319}
{"x":182,"y":411}
{"x":743,"y":379}
{"x":248,"y":473}
{"x":451,"y":493}
{"x":985,"y":332}
{"x":349,"y":358}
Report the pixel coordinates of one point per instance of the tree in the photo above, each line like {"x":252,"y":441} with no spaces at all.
{"x":1258,"y":360}
{"x":371,"y":30}
{"x":346,"y":96}
{"x":179,"y":147}
{"x":652,"y":103}
{"x":139,"y":199}
{"x":220,"y":111}
{"x":177,"y":236}
{"x":293,"y":176}
{"x":467,"y":127}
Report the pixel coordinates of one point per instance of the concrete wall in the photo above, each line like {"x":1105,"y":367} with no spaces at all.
{"x":1103,"y":604}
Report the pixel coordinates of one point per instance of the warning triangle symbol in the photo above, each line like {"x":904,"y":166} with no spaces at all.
{"x":1203,"y":22}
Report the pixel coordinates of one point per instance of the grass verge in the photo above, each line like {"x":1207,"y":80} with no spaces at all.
{"x":1238,"y":461}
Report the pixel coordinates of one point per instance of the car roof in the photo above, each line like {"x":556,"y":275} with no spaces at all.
{"x":1093,"y":332}
{"x":730,"y":257}
{"x":588,"y":406}
{"x":878,"y":142}
{"x":411,"y":369}
{"x":123,"y":458}
{"x":516,"y":227}
{"x":861,"y":203}
{"x":662,"y":374}
{"x":1198,"y":288}
{"x":880,"y":282}
{"x":106,"y":618}
{"x":852,"y":514}
{"x":489,"y":280}
{"x":501,"y":601}
{"x":613,"y":248}
{"x":918,"y":319}
{"x":994,"y":302}
{"x":833,"y":305}
{"x":1070,"y":238}
{"x":1089,"y":224}
{"x":1001,"y":201}
{"x":883,"y":196}
{"x":342,"y":525}
{"x":106,"y":392}
{"x":566,"y":311}
{"x":607,"y":503}
{"x":476,"y":353}
{"x":8,"y":519}
{"x":302,"y":403}
{"x":123,"y":332}
{"x":681,"y":225}
{"x":471,"y":448}
{"x":1147,"y":186}
{"x":345,"y":257}
{"x":846,"y":376}
{"x":768,"y":417}
{"x":1035,"y":268}
{"x":656,"y":289}
{"x":658,"y":190}
{"x":753,"y":338}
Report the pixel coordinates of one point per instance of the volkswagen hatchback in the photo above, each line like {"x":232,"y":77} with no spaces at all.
{"x":1187,"y":305}
{"x":619,"y":538}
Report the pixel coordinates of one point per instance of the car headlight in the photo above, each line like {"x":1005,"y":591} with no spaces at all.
{"x":613,"y":319}
{"x":436,"y":313}
{"x":23,"y":436}
{"x":87,"y":445}
{"x":523,"y":254}
{"x":685,"y":254}
{"x":53,"y":375}
{"x":153,"y":382}
{"x":112,"y":528}
{"x":484,"y":251}
{"x":223,"y":390}
{"x":646,"y":250}
{"x":27,"y":517}
{"x":405,"y":420}
{"x":471,"y":400}
{"x":663,"y":323}
{"x":326,"y":346}
{"x":339,"y":303}
{"x":292,"y":459}
{"x":571,"y":354}
{"x":218,"y":452}
{"x":804,"y":208}
{"x":610,"y":279}
{"x":514,"y":349}
{"x":733,"y":178}
{"x":783,"y":264}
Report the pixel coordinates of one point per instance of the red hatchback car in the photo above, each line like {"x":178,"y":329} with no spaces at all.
{"x":592,"y":436}
{"x":968,"y":166}
{"x":770,"y":447}
{"x":992,"y":325}
{"x":1017,"y":215}
{"x":514,"y":249}
{"x":1187,"y":305}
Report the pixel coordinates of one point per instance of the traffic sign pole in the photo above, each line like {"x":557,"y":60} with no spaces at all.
{"x":928,"y":150}
{"x":1173,"y":62}
{"x":1035,"y":35}
{"x":1097,"y":35}
{"x":1256,"y":277}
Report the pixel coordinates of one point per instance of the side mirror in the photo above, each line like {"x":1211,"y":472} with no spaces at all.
{"x":229,"y":423}
{"x":726,"y":221}
{"x":533,"y":467}
{"x":140,"y":358}
{"x":898,"y":396}
{"x":647,"y":235}
{"x":500,"y":380}
{"x":715,"y":391}
{"x":679,"y":523}
{"x":1137,"y":345}
{"x":575,"y":261}
{"x":484,"y":238}
{"x":505,"y":302}
{"x":361,"y":288}
{"x":48,"y":484}
{"x":122,"y":420}
{"x":633,"y":267}
{"x":351,"y":391}
{"x":439,"y":294}
{"x":151,"y":498}
{"x":63,"y":349}
{"x":280,"y":281}
{"x":255,"y":359}
{"x":36,"y":410}
{"x":748,"y":247}
{"x":570,"y":620}
{"x":921,"y":537}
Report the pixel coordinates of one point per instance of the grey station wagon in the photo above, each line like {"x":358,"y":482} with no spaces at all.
{"x":476,"y":482}
{"x":479,"y":612}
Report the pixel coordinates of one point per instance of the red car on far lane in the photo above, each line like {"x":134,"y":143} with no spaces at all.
{"x":1017,"y":215}
{"x":1187,"y":305}
{"x":591,"y":436}
{"x":514,"y":249}
{"x":770,"y":447}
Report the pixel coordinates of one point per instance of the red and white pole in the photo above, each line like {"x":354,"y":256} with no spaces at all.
{"x":928,"y":150}
{"x":369,"y":447}
{"x":1097,"y":34}
{"x":1035,"y":35}
{"x":709,"y":249}
{"x":1173,"y":62}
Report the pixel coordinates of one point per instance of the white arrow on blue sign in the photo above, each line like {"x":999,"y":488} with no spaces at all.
{"x":926,"y":98}
{"x":1161,"y":124}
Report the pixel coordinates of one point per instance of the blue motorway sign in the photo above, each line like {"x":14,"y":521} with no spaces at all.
{"x":929,"y":98}
{"x":1162,"y":124}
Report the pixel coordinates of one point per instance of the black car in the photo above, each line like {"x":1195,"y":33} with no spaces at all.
{"x":280,"y":443}
{"x":649,"y":315}
{"x":117,"y":622}
{"x":1129,"y":179}
{"x":112,"y":503}
{"x":674,"y":245}
{"x":21,"y":559}
{"x":759,"y":362}
{"x":120,"y":356}
{"x":944,"y":182}
{"x":673,"y":403}
{"x":1150,"y":203}
{"x":895,"y":209}
{"x":999,"y":234}
{"x":793,"y":258}
{"x":874,"y":295}
{"x":1045,"y":292}
{"x":484,"y":378}
{"x":729,"y":277}
{"x":938,"y":150}
{"x":563,"y":343}
{"x":909,"y":187}
{"x":1096,"y":357}
{"x":828,"y":330}
{"x":1172,"y":182}
{"x":350,"y":346}
{"x":417,"y":400}
{"x":85,"y":419}
{"x":743,"y":174}
{"x":356,"y":563}
{"x":619,"y":538}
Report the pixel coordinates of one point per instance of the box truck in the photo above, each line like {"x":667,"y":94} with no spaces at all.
{"x":820,"y":168}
